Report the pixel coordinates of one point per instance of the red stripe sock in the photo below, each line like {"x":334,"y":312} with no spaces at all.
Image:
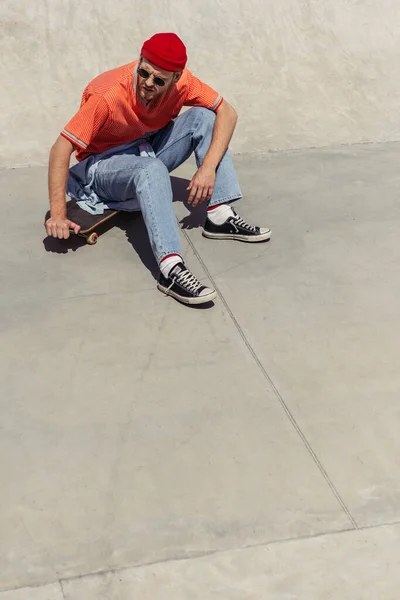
{"x":169,"y":262}
{"x":216,"y":206}
{"x":169,"y":256}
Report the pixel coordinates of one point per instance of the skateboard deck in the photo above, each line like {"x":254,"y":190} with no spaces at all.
{"x":91,"y":225}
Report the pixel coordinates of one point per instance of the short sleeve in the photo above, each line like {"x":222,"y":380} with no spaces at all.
{"x":91,"y":116}
{"x":201,"y":94}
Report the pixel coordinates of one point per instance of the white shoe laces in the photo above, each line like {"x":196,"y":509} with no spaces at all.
{"x":187,"y":280}
{"x":242,"y":223}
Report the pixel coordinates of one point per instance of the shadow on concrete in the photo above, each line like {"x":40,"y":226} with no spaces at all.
{"x":63,"y":246}
{"x":133,"y":226}
{"x":196,"y":216}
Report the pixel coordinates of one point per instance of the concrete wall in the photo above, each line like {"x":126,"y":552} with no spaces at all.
{"x":300,"y":72}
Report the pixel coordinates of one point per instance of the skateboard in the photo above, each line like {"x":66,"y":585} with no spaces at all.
{"x":90,"y":225}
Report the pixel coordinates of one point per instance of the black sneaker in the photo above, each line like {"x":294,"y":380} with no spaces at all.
{"x":235,"y":228}
{"x":183,"y":285}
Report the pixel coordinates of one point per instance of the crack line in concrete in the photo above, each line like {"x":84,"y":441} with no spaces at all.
{"x":204,"y":554}
{"x":275,"y":389}
{"x":60,"y":583}
{"x":207,"y":553}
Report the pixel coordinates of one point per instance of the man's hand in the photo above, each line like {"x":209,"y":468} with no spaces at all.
{"x":202,"y":185}
{"x":59,"y":228}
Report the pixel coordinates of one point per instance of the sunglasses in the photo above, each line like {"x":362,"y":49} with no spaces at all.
{"x":146,"y":75}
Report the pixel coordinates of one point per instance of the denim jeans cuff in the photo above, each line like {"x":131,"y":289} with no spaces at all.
{"x":225,"y":200}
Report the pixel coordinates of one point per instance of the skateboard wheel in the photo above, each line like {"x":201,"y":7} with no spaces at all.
{"x":92,"y":239}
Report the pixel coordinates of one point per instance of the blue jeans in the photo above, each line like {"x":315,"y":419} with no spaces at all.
{"x":124,"y":176}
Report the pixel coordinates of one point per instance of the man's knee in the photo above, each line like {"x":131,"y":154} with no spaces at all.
{"x":153,"y":166}
{"x":203,"y":116}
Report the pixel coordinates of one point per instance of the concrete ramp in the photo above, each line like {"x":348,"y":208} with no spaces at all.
{"x":301,"y":73}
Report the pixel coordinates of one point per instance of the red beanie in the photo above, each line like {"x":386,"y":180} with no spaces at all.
{"x":166,"y":51}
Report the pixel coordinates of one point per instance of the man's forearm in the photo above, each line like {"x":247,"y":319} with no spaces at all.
{"x":58,"y":175}
{"x":224,"y":127}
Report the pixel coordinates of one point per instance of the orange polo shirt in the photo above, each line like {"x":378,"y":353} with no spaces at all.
{"x":112,"y":113}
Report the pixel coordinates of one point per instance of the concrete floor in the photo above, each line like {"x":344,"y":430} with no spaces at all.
{"x":247,"y":451}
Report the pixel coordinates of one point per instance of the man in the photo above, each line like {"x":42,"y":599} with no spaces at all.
{"x":128,"y":137}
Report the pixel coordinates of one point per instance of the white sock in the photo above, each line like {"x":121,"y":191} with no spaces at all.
{"x":169,"y":262}
{"x":220,"y":214}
